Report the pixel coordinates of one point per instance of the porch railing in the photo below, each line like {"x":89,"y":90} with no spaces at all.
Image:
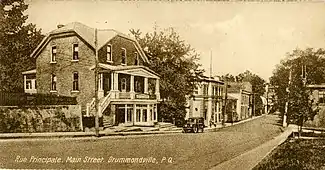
{"x":90,"y":107}
{"x":105,"y":102}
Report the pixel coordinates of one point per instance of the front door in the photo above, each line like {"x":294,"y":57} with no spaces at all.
{"x":121,"y":115}
{"x":107,"y":83}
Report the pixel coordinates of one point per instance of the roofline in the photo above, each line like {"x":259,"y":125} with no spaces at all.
{"x":49,"y":36}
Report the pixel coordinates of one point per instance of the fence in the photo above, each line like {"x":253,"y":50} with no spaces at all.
{"x":21,"y":99}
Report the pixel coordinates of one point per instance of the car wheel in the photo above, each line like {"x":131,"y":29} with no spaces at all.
{"x":195,"y":130}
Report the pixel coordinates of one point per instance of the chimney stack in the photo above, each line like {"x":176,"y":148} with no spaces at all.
{"x":60,"y":25}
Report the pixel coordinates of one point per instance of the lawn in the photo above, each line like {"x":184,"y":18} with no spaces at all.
{"x":296,"y":154}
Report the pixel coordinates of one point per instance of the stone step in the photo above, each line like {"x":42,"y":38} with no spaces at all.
{"x":164,"y":125}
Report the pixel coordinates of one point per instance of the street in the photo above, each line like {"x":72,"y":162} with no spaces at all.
{"x":170,"y":151}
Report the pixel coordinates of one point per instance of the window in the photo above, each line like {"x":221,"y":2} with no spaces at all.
{"x":136,"y":58}
{"x":53,"y":82}
{"x":109,"y":53}
{"x":123,"y":84}
{"x":196,"y":90}
{"x":123,"y":56}
{"x":137,"y":86}
{"x":75,"y":82}
{"x":154,"y":112}
{"x":321,"y":95}
{"x":53,"y":54}
{"x":138,"y":115}
{"x":144,"y":115}
{"x":129,"y":114}
{"x":75,"y":52}
{"x":28,"y":84}
{"x":205,"y":89}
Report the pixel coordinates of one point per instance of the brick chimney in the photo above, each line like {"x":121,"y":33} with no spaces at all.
{"x":60,"y":25}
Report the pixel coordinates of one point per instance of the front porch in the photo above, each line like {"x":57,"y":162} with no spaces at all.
{"x":128,"y":95}
{"x":133,"y":82}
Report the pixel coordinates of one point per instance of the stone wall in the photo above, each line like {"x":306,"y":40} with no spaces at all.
{"x":65,"y":118}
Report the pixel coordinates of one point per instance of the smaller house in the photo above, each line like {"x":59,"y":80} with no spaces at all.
{"x":206,"y":101}
{"x":231,"y":111}
{"x":30,"y":81}
{"x":242,"y":91}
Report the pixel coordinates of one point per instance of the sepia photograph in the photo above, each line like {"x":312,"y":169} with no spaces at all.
{"x":172,"y":85}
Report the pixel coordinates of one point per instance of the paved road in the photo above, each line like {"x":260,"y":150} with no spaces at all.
{"x":173,"y":151}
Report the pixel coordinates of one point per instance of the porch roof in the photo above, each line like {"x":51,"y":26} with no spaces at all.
{"x":229,"y":97}
{"x":132,"y":70}
{"x":30,"y":72}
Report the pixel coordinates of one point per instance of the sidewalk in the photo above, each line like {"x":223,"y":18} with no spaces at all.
{"x":251,"y":158}
{"x":219,"y":126}
{"x":105,"y":133}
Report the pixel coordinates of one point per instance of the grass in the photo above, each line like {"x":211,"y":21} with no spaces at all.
{"x":296,"y":154}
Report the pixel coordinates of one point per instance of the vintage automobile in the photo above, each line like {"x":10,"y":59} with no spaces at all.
{"x":194,"y":124}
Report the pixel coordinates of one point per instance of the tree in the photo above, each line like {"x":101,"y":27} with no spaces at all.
{"x":300,"y":68}
{"x":228,"y":78}
{"x":176,"y":63}
{"x":17,"y":41}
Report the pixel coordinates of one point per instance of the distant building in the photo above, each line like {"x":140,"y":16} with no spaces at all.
{"x":244,"y":95}
{"x":270,"y":96}
{"x":128,"y":90}
{"x":206,"y":100}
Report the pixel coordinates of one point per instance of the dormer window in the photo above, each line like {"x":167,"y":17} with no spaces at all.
{"x":75,"y":55}
{"x":53,"y":54}
{"x":123,"y":57}
{"x":109,"y":53}
{"x":136,"y":58}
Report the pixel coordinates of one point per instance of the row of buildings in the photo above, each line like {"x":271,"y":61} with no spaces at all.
{"x":128,"y":91}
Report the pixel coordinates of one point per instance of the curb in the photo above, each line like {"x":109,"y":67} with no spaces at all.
{"x":77,"y":134}
{"x":215,"y":129}
{"x":103,"y":133}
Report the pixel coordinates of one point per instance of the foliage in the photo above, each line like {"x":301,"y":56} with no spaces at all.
{"x":176,"y":63}
{"x":297,"y":154}
{"x":17,"y":40}
{"x":306,"y":67}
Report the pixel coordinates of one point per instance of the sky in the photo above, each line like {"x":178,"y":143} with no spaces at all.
{"x":238,"y":36}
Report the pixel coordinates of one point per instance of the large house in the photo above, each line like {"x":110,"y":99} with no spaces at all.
{"x":206,"y":101}
{"x":128,"y":91}
{"x":242,"y":92}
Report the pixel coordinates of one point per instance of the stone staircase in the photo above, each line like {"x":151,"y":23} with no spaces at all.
{"x":161,"y":126}
{"x":164,"y":126}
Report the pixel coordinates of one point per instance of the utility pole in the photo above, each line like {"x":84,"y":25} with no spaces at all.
{"x":254,"y":109}
{"x":284,"y":124}
{"x":267,"y":99}
{"x":96,"y":87}
{"x":225,"y":107}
